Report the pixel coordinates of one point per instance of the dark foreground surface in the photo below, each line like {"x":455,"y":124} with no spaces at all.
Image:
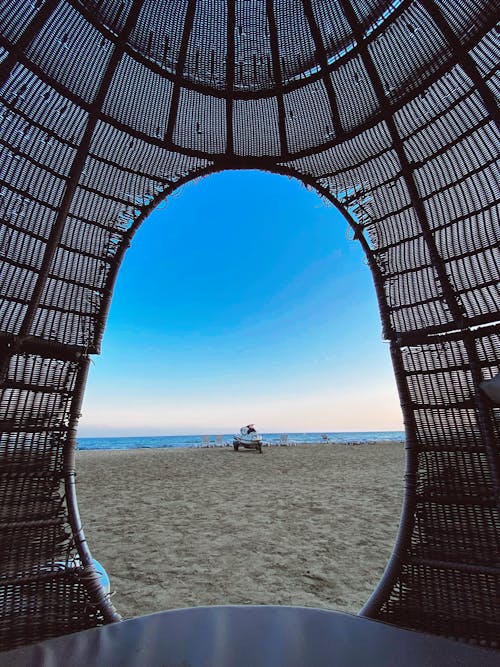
{"x":250,"y":636}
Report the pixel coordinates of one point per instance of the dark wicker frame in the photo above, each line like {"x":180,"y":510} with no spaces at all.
{"x":389,"y":111}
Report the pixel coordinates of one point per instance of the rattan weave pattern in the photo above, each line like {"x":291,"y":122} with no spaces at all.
{"x":387,"y":109}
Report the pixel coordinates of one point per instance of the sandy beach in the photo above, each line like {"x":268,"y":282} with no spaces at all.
{"x":310,"y":525}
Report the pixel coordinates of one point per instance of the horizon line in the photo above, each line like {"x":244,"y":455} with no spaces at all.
{"x":208,"y":432}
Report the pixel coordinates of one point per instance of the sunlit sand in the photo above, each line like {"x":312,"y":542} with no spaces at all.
{"x":309,"y":525}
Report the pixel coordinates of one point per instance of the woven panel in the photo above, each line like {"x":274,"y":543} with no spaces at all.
{"x":442,"y":591}
{"x":465,"y":18}
{"x":140,"y":158}
{"x":488,"y":350}
{"x":15,"y":16}
{"x":410,"y":50}
{"x":252,"y":57}
{"x":42,"y":583}
{"x":112,"y":13}
{"x":53,"y":603}
{"x":37,"y":103}
{"x":455,"y":536}
{"x":197,"y":118}
{"x":308,"y":117}
{"x":295,"y":42}
{"x":263,"y":140}
{"x":158,"y":30}
{"x":62,"y":53}
{"x":206,"y":52}
{"x":148,"y":92}
{"x":356,"y":100}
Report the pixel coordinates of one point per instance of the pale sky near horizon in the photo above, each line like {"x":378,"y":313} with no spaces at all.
{"x":241,"y":300}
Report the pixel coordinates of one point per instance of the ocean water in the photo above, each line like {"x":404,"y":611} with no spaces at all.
{"x":175,"y":441}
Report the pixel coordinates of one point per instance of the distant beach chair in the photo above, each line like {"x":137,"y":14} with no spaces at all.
{"x":218,"y":441}
{"x":285,"y":441}
{"x":205,"y":441}
{"x":325,"y":437}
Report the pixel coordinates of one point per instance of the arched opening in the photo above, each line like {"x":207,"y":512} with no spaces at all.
{"x":296,"y":340}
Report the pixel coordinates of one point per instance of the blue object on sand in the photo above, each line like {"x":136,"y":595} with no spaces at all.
{"x":103,"y":576}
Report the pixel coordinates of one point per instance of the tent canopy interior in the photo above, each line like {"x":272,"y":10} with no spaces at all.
{"x":388,"y":109}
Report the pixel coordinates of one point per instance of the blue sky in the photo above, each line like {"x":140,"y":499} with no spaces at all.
{"x":241,"y":300}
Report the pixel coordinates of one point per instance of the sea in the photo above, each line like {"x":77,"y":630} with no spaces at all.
{"x":186,"y":441}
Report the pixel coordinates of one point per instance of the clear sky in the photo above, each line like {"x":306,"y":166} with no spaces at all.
{"x":241,"y":300}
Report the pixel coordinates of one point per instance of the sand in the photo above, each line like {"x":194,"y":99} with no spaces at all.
{"x":310,"y":525}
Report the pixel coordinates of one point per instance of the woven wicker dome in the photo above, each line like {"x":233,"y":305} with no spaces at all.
{"x":388,"y":109}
